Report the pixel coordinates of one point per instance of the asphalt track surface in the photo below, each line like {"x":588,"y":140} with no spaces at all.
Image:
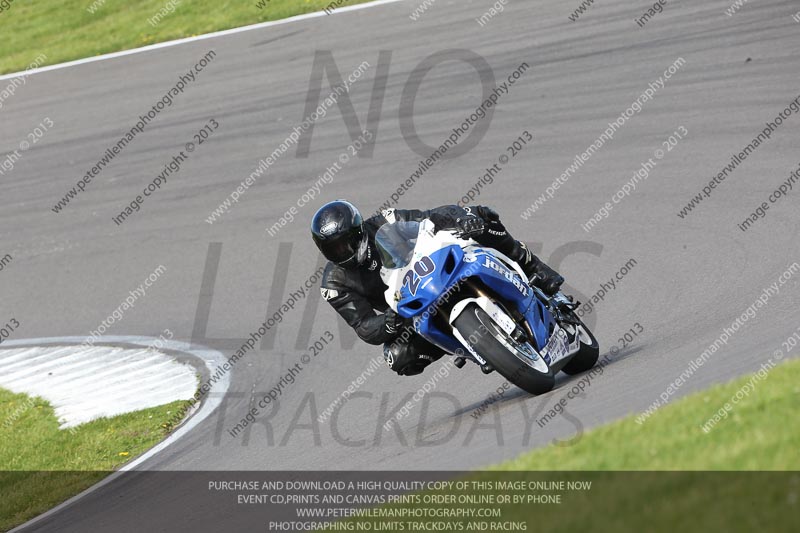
{"x":693,"y":277}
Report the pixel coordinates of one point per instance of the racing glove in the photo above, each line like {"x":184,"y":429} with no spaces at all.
{"x":488,"y":214}
{"x":466,"y":223}
{"x":393,"y":323}
{"x":470,"y":226}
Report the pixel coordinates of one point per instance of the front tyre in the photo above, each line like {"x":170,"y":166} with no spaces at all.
{"x":503,"y":352}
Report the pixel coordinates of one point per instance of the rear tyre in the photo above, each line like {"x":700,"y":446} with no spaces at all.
{"x":504,"y":353}
{"x":587,"y":356}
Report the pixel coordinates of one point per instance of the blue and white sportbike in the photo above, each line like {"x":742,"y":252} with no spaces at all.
{"x":476,"y":303}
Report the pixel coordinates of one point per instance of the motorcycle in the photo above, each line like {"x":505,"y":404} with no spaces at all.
{"x":478,"y":304}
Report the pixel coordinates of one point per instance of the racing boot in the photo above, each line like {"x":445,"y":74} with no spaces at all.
{"x":539,"y":274}
{"x":409,"y":357}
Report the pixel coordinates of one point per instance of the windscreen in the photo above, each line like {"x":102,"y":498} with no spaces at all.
{"x":396,"y":242}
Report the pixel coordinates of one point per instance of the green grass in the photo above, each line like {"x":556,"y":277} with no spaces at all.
{"x":666,"y":474}
{"x":760,"y":433}
{"x":42,"y":465}
{"x":63,"y":30}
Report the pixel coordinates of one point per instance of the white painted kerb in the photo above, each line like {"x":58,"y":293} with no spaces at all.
{"x":212,"y":360}
{"x":86,"y":383}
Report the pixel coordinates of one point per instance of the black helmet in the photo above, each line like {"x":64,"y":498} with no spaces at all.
{"x":338,"y":231}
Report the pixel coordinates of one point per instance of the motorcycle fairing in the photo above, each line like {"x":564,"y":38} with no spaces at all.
{"x":429,"y":278}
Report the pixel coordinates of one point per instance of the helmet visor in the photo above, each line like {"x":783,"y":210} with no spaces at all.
{"x":344,"y":247}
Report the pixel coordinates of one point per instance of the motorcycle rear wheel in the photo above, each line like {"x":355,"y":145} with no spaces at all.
{"x":587,"y":356}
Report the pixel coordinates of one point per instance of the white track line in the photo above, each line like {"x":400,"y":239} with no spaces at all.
{"x":185,"y":40}
{"x":212,"y":360}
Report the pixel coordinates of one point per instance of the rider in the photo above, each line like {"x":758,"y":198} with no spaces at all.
{"x":352,"y":283}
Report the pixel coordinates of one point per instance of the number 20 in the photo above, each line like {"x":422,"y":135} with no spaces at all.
{"x":422,"y":268}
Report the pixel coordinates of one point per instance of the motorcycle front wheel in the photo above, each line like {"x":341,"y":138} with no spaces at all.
{"x":509,"y":356}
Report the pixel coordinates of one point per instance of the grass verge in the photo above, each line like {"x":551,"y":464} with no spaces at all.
{"x":666,"y":474}
{"x":760,"y":432}
{"x":42,"y":465}
{"x":63,"y":30}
